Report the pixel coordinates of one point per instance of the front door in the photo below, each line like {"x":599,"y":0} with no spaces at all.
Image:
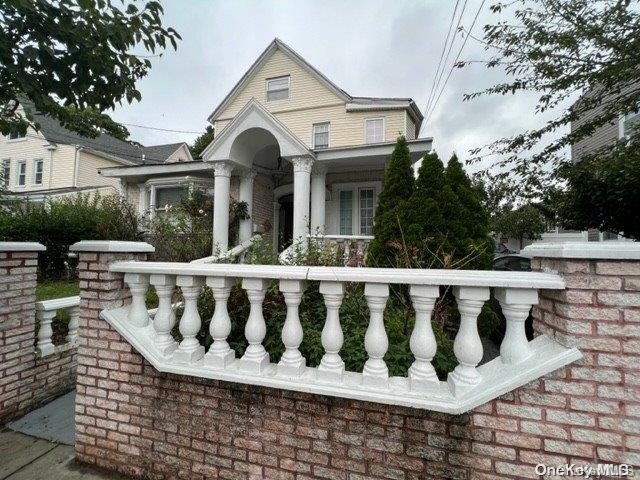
{"x":285,"y":222}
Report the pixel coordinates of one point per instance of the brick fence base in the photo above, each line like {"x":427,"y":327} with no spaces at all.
{"x":135,"y":420}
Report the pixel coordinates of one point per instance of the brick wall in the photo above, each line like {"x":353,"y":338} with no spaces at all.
{"x":135,"y":420}
{"x":26,"y":380}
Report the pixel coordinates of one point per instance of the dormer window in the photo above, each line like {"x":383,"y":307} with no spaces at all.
{"x":278,"y":88}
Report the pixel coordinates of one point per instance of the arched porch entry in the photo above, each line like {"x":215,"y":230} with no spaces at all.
{"x":256,"y":142}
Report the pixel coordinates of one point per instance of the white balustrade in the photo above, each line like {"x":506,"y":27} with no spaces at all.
{"x":138,"y":285}
{"x":46,"y":312}
{"x":467,"y":386}
{"x":165,"y":317}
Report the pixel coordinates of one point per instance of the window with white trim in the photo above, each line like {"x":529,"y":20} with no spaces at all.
{"x":21,"y":179}
{"x":6,"y":172}
{"x":321,"y":135}
{"x":374,"y":130}
{"x":357,"y":209}
{"x":38,"y":166}
{"x":15,"y":134}
{"x":166,"y":197}
{"x":629,"y":122}
{"x":278,"y":88}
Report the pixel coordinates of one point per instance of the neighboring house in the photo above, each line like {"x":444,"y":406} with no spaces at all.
{"x":304,"y":154}
{"x":55,"y":161}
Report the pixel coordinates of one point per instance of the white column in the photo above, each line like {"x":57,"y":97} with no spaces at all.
{"x":331,"y":366}
{"x":422,"y":375}
{"x":318,"y":192}
{"x":189,"y":350}
{"x":245,"y":194}
{"x":301,"y":193}
{"x":220,"y":354}
{"x":467,"y":345}
{"x":255,"y":357}
{"x":276,"y":225}
{"x":292,"y":362}
{"x":142,"y":199}
{"x":138,"y":285}
{"x":222,"y":185}
{"x":152,"y":201}
{"x":376,"y":343}
{"x":516,"y":304}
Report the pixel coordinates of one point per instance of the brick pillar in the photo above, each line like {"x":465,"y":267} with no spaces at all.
{"x":104,"y":358}
{"x":18,"y":266}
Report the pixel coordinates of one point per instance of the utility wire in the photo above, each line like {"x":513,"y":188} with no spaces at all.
{"x":158,"y":128}
{"x":435,"y":103}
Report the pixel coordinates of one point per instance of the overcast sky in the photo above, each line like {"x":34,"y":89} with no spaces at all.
{"x":367,"y":47}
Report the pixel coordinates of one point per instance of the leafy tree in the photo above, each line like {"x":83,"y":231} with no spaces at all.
{"x":201,"y":142}
{"x":393,"y":209}
{"x":472,"y":219}
{"x":555,"y":49}
{"x":72,"y":60}
{"x":497,"y":194}
{"x":603,"y":193}
{"x":524,"y":222}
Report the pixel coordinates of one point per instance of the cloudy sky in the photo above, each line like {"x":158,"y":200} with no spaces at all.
{"x":367,"y":47}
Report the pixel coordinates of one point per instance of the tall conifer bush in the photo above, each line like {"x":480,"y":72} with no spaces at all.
{"x":393,"y":209}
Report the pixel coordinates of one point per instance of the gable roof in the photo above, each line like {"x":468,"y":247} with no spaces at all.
{"x":278,"y":44}
{"x":127,"y":152}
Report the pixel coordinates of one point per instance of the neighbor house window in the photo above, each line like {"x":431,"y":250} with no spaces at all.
{"x":15,"y":134}
{"x":6,"y":172}
{"x":366,"y":208}
{"x":166,"y":197}
{"x":278,"y":88}
{"x":374,"y":130}
{"x":37,"y":172}
{"x":321,"y":135}
{"x":346,"y":212}
{"x":22,"y":174}
{"x":629,"y":122}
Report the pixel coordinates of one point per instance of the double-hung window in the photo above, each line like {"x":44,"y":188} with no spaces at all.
{"x":356,"y":211}
{"x":166,"y":197}
{"x":278,"y":88}
{"x":629,"y":123}
{"x":37,"y":171}
{"x":374,"y":130}
{"x":21,"y":179}
{"x":6,"y":172}
{"x":321,"y":135}
{"x":15,"y":134}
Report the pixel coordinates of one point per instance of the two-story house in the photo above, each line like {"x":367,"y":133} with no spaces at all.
{"x":305,"y":155}
{"x":54,"y":161}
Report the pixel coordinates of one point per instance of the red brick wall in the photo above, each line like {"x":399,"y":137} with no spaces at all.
{"x":26,"y":381}
{"x":135,"y":420}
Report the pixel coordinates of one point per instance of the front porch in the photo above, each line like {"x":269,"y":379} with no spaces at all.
{"x":291,"y":191}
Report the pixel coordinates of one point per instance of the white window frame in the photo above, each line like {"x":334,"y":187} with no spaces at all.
{"x":6,"y":169}
{"x":20,"y":164}
{"x":355,"y":188}
{"x":36,"y":162}
{"x":366,"y":120}
{"x":16,"y":139}
{"x":288,"y":89}
{"x":313,"y":134}
{"x":621,"y":123}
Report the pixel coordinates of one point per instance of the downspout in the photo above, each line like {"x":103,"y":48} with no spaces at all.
{"x":76,"y":166}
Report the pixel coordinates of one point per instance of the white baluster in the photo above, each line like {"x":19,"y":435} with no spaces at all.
{"x":189,"y":350}
{"x":72,"y":333}
{"x":347,"y":251}
{"x":255,"y":357}
{"x":375,"y":372}
{"x":331,"y":366}
{"x":292,"y":362}
{"x":45,"y":346}
{"x":422,"y":376}
{"x":165,"y":318}
{"x":467,"y":345}
{"x":516,"y":304}
{"x":220,"y":353}
{"x":138,"y":285}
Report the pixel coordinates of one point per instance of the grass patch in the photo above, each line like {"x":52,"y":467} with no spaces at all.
{"x":48,"y":289}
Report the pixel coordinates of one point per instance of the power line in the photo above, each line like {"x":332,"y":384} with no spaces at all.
{"x":454,"y":62}
{"x":446,"y":57}
{"x":159,"y":129}
{"x":444,"y":47}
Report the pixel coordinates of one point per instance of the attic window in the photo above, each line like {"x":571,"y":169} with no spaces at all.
{"x":278,"y":88}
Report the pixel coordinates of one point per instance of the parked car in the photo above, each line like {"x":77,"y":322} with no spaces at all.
{"x":510,"y":263}
{"x":502,"y":249}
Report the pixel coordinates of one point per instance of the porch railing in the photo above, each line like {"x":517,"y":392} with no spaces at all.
{"x":467,"y":386}
{"x":352,"y":248}
{"x":231,"y":254}
{"x":46,"y":312}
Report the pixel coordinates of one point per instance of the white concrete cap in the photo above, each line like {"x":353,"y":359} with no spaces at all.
{"x":114,"y":246}
{"x":22,"y":247}
{"x":608,"y":250}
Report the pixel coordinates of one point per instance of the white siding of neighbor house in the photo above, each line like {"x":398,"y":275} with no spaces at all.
{"x":310,"y":101}
{"x":180,"y":155}
{"x":88,"y":170}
